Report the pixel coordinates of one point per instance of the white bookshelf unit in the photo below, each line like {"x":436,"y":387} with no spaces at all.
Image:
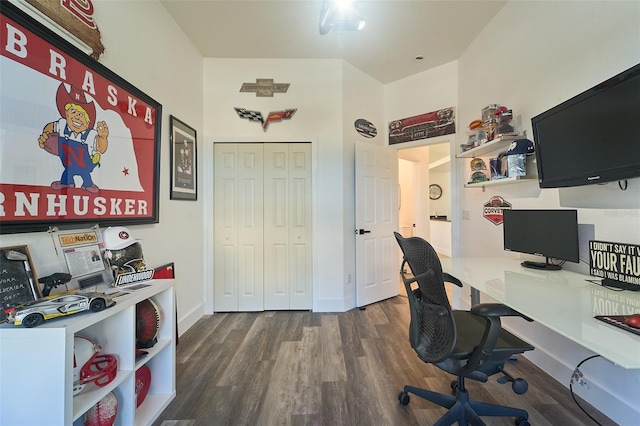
{"x":36,"y":364}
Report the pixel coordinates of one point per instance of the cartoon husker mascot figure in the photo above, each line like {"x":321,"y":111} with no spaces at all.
{"x":74,"y":140}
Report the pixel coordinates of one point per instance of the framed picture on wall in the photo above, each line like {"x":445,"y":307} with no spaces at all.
{"x":184,"y":176}
{"x":79,"y":144}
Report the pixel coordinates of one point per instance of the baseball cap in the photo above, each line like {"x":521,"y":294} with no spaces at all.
{"x":519,"y":146}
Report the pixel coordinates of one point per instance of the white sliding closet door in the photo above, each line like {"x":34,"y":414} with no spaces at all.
{"x":262,"y":227}
{"x":238,"y":264}
{"x":287,"y":231}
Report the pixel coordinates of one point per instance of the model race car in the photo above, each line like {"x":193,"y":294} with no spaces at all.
{"x":34,"y":313}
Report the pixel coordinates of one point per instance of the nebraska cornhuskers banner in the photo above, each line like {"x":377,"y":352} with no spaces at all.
{"x":78,"y":143}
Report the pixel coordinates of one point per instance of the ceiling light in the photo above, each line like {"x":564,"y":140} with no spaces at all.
{"x":339,"y":15}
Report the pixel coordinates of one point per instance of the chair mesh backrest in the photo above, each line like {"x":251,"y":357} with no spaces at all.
{"x":432,"y":331}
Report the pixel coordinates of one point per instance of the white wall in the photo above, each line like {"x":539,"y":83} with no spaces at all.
{"x":145,"y":47}
{"x":319,"y":89}
{"x":424,"y":92}
{"x":363,"y":97}
{"x":545,"y":53}
{"x":406,"y":180}
{"x":441,"y":206}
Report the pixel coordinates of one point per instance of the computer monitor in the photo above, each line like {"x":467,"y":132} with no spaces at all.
{"x":552,"y":234}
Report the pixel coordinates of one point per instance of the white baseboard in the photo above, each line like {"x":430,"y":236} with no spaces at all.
{"x":185,"y":322}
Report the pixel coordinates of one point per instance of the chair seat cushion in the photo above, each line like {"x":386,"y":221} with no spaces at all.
{"x":470,"y":329}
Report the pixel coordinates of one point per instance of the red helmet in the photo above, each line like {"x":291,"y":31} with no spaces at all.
{"x":90,"y":366}
{"x":143,"y":383}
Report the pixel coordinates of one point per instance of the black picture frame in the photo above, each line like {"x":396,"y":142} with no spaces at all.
{"x":18,"y":279}
{"x":184,"y":165}
{"x":120,"y":185}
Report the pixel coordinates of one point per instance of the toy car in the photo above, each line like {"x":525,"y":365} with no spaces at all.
{"x":34,"y":313}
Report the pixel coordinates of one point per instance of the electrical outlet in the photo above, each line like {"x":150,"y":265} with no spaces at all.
{"x":578,"y":377}
{"x":465,"y":215}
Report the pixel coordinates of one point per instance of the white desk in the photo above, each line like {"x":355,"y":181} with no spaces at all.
{"x":560,"y":300}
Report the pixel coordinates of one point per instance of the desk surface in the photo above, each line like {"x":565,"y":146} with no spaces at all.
{"x":560,"y":300}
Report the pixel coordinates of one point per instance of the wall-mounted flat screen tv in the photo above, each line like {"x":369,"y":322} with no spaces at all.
{"x":593,"y":137}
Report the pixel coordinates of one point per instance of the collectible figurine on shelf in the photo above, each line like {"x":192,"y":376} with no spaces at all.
{"x":477,"y":175}
{"x":504,"y":117}
{"x":489,"y":121}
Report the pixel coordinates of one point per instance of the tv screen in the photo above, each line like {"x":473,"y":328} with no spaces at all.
{"x":552,"y":234}
{"x":593,"y":137}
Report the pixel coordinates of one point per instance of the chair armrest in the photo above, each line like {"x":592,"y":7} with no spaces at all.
{"x":496,"y":310}
{"x":451,"y":279}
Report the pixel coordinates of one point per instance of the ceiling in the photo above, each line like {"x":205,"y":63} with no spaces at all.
{"x":396,"y":31}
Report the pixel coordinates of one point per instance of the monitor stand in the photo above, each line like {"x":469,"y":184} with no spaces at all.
{"x":541,"y":265}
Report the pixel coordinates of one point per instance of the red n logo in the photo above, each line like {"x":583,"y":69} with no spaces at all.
{"x":72,"y":157}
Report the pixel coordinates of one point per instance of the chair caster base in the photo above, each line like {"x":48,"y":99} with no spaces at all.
{"x":521,"y":421}
{"x":404,"y":398}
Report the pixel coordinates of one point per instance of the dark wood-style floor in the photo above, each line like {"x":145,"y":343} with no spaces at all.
{"x":303,"y":368}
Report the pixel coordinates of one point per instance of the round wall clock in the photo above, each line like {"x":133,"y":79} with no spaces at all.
{"x":435,"y":191}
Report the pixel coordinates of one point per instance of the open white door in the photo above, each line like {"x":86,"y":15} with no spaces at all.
{"x":376,"y":219}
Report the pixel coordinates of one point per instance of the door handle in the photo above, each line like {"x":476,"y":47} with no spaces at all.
{"x":362,"y":231}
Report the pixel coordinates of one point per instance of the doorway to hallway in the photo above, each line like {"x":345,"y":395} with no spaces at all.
{"x":419,"y":214}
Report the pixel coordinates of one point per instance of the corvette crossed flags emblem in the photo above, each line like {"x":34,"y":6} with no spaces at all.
{"x":273,"y":116}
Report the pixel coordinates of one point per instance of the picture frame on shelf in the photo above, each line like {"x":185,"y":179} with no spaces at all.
{"x":184,"y":172}
{"x":18,"y":279}
{"x":87,"y":151}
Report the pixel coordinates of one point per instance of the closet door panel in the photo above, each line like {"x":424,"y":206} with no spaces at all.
{"x":238,"y":245}
{"x":251,"y":228}
{"x":276,"y":219}
{"x":300,"y":227}
{"x":226,"y":229}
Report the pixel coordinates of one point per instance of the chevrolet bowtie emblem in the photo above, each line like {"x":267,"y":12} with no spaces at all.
{"x":272,"y":117}
{"x":265,"y":87}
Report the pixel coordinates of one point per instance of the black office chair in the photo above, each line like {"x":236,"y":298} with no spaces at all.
{"x":468,"y":344}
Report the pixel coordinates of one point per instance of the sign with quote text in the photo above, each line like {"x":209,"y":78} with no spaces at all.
{"x":615,"y":261}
